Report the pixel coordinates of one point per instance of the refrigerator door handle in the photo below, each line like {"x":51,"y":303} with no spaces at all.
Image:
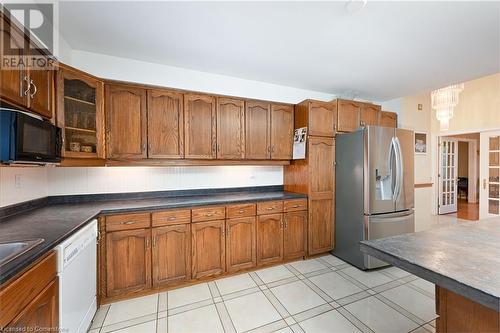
{"x":400,"y":168}
{"x":397,"y":171}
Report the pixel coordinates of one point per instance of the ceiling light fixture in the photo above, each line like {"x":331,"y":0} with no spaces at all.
{"x":444,"y":101}
{"x":355,"y":6}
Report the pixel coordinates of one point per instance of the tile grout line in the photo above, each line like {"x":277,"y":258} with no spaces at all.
{"x":224,"y":304}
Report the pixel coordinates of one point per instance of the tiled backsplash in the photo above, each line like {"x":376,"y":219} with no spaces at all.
{"x":40,"y":182}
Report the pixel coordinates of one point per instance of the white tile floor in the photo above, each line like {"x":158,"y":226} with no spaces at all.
{"x":313,"y":296}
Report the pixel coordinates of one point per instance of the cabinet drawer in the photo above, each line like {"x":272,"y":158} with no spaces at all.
{"x":128,"y":221}
{"x":295,"y":205}
{"x":208,"y":214}
{"x":269,"y":207}
{"x":170,"y":217}
{"x":240,"y":210}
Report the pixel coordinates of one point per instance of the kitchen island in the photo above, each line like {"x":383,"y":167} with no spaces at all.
{"x":463,"y":261}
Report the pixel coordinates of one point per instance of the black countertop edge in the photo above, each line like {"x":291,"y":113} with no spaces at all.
{"x":79,"y":198}
{"x":19,"y":208}
{"x":455,"y":286}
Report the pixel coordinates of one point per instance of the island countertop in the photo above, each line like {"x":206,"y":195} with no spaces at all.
{"x":463,"y":258}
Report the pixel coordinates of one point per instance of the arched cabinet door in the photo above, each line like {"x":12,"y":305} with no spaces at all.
{"x":126,"y":122}
{"x":200,"y":127}
{"x":208,"y":243}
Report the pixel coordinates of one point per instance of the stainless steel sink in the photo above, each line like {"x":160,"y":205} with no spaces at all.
{"x":11,"y":250}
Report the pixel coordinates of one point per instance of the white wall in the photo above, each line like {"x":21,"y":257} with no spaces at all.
{"x":32,"y":184}
{"x":116,"y":68}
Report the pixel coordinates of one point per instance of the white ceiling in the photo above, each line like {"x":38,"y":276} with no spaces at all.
{"x":387,"y":50}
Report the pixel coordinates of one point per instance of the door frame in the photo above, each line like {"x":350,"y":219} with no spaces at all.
{"x":439,"y":182}
{"x":483,"y":188}
{"x":434,"y":139}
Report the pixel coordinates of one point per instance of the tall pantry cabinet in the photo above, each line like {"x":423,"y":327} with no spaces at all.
{"x":315,"y":175}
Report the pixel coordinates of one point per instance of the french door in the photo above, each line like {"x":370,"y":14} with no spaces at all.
{"x":448,"y":175}
{"x":489,"y":175}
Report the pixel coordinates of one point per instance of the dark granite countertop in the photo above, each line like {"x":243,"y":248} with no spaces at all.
{"x":463,"y":258}
{"x":54,"y":222}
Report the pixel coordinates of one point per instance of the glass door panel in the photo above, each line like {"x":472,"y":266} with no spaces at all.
{"x":490,"y":171}
{"x":448,"y":163}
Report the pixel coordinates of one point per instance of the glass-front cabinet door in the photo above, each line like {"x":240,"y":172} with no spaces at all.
{"x":80,"y":114}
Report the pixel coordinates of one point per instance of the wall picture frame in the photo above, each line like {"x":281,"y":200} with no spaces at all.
{"x":420,"y":143}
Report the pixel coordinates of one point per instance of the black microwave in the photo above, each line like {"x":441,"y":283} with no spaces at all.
{"x":27,"y":139}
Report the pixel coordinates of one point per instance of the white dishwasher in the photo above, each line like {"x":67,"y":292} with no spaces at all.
{"x":76,"y":268}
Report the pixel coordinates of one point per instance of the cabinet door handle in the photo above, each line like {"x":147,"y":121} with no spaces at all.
{"x":154,"y":241}
{"x":25,"y":93}
{"x":34,"y":86}
{"x":209,"y":215}
{"x":147,"y":243}
{"x":171,"y":218}
{"x":241,"y":211}
{"x":295,"y":206}
{"x":270,"y":208}
{"x":128,"y":222}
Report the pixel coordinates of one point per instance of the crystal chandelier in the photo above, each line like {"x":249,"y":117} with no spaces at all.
{"x":444,"y":101}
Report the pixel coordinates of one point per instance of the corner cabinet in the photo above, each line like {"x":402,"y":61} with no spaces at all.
{"x":80,"y":114}
{"x":126,"y":122}
{"x":200,"y":124}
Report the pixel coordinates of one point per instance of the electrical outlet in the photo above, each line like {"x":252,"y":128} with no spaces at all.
{"x":18,"y":181}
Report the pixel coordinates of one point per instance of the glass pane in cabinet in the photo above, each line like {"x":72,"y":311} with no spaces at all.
{"x":495,"y":143}
{"x":494,"y":159}
{"x":493,"y":192}
{"x":494,"y":175}
{"x":493,"y":207}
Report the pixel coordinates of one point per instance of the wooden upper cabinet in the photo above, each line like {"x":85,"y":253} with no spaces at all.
{"x":41,"y":90}
{"x":80,"y":112}
{"x":295,"y":235}
{"x":321,"y":156}
{"x":126,"y":122}
{"x":369,"y":115}
{"x":257,"y":130}
{"x":199,"y":126}
{"x":208,"y":242}
{"x":13,"y":82}
{"x":128,"y":261}
{"x":388,"y":119}
{"x":230,"y":128}
{"x":322,"y":118}
{"x":348,"y":115}
{"x":269,"y":239}
{"x":165,"y":124}
{"x":171,"y":254}
{"x":282,"y":127}
{"x":240,"y":243}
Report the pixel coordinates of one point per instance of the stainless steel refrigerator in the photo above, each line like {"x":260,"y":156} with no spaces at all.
{"x":373,"y":190}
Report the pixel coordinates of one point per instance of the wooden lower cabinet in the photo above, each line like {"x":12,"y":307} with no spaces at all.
{"x":269,"y":239}
{"x":208,"y":248}
{"x":321,"y":225}
{"x":42,"y":314}
{"x":240,"y":243}
{"x":295,"y":235}
{"x":171,"y":254}
{"x":128,"y":261}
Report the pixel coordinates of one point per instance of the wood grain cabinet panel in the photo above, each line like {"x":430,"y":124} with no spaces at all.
{"x":321,"y":163}
{"x":171,"y":254}
{"x":269,"y":207}
{"x":369,"y":115}
{"x":322,"y":118}
{"x":348,"y":115}
{"x":14,"y":82}
{"x":126,"y":122}
{"x":165,"y":124}
{"x":257,"y":130}
{"x":230,"y":128}
{"x":208,"y":243}
{"x":294,"y":205}
{"x":128,"y":221}
{"x":240,"y":243}
{"x":321,"y":224}
{"x":42,"y":87}
{"x":199,"y":127}
{"x":41,"y":314}
{"x":243,"y":210}
{"x":128,"y":261}
{"x":388,"y":119}
{"x":295,"y":235}
{"x":282,"y":127}
{"x":171,"y":217}
{"x":269,"y":239}
{"x":208,"y":213}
